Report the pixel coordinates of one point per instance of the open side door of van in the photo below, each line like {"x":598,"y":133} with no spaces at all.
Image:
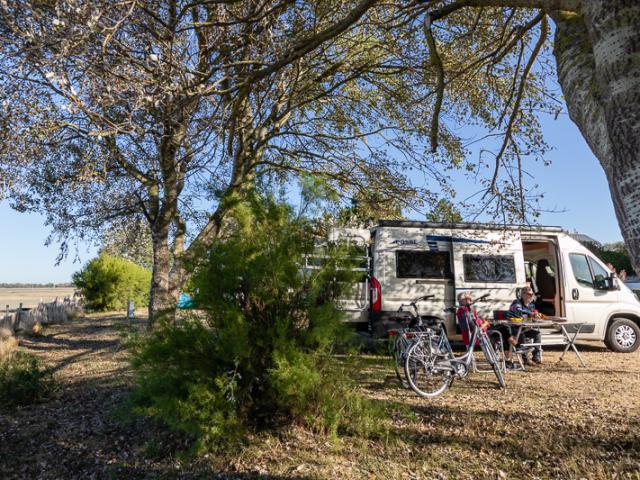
{"x":488,"y":261}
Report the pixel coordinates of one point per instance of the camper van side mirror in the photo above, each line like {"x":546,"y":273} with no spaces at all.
{"x":614,"y":282}
{"x":606,"y":283}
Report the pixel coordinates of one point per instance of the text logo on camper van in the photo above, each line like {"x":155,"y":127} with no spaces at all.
{"x":404,"y":242}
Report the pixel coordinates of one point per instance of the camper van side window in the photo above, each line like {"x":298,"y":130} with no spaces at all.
{"x":598,"y":271}
{"x":581,"y":270}
{"x":489,"y":268}
{"x":423,"y":264}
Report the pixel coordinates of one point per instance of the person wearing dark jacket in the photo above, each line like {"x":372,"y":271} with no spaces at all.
{"x":524,"y":307}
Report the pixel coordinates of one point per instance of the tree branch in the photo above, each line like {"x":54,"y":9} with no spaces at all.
{"x":546,"y":5}
{"x":544,"y":30}
{"x":308,"y":44}
{"x":436,"y":62}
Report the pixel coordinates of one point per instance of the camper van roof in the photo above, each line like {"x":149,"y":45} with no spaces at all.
{"x":468,"y":225}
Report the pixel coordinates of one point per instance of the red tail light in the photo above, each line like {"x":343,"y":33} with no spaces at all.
{"x":376,"y":295}
{"x":393,"y":333}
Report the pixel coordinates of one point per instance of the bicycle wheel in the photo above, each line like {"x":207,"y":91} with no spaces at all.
{"x":424,"y":370}
{"x":496,"y":343}
{"x":492,"y":358}
{"x":397,"y":351}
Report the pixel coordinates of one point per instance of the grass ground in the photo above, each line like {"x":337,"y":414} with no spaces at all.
{"x":30,"y":297}
{"x":554,"y":421}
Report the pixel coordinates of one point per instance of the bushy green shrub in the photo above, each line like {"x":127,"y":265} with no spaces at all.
{"x":107,"y":283}
{"x":263,"y":356}
{"x":22,"y":380}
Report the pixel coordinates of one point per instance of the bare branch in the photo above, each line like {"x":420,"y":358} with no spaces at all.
{"x":310,"y":43}
{"x":436,"y":62}
{"x":544,"y":30}
{"x":546,"y":5}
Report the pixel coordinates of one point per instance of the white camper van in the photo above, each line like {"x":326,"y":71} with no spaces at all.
{"x":409,"y":259}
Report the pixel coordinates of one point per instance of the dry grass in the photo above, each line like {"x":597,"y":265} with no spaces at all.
{"x":8,"y":343}
{"x":30,"y":297}
{"x":557,"y":421}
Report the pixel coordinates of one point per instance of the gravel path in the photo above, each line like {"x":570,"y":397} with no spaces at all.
{"x":77,"y":433}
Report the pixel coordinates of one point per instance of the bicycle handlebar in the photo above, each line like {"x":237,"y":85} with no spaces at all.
{"x":412,"y":303}
{"x":479,"y":299}
{"x":420,"y":299}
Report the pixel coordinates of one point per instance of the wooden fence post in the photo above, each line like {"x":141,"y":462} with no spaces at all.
{"x":131,"y":311}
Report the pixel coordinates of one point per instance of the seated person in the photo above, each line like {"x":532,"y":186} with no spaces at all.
{"x":467,"y":316}
{"x":524,"y":307}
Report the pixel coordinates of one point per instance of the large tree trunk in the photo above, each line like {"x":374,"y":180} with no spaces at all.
{"x":598,"y":57}
{"x":170,"y":273}
{"x":162,"y":300}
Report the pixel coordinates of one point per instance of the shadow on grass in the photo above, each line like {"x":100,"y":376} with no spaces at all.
{"x":50,"y":342}
{"x":517,"y":436}
{"x":78,"y":436}
{"x":88,"y":432}
{"x":164,"y":474}
{"x":582,"y":347}
{"x":83,"y":347}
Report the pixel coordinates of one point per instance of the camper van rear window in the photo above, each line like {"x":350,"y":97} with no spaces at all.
{"x":489,"y":268}
{"x":423,"y":264}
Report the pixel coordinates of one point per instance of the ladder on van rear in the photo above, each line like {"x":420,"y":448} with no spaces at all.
{"x":355,"y":304}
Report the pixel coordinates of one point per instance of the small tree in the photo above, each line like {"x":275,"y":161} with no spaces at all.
{"x":107,"y":283}
{"x":261,"y":358}
{"x":131,"y":240}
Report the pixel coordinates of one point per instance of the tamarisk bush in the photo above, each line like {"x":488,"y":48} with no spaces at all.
{"x":262,"y":357}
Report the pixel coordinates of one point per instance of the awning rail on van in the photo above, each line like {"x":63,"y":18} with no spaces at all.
{"x":467,"y":225}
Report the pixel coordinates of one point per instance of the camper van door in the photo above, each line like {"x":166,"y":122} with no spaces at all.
{"x":586,"y":299}
{"x":355,"y":302}
{"x":488,"y":261}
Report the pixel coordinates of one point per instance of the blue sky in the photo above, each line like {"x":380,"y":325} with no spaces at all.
{"x":575,"y":189}
{"x":23,"y":255}
{"x":574,"y":182}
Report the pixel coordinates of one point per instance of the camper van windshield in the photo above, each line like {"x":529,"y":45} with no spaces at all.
{"x":423,"y":264}
{"x":489,"y":268}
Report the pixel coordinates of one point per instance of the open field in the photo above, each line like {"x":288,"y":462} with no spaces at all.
{"x":31,"y":296}
{"x":555,"y":421}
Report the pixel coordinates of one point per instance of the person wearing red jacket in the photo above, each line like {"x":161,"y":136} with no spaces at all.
{"x":467,"y":316}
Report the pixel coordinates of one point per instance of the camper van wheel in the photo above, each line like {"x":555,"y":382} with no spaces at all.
{"x":623,"y":335}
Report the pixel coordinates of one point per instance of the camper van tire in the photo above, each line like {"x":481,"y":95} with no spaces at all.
{"x":623,"y":335}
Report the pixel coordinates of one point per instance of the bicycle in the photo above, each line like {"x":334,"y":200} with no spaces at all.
{"x":401,"y":339}
{"x":430,"y":369}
